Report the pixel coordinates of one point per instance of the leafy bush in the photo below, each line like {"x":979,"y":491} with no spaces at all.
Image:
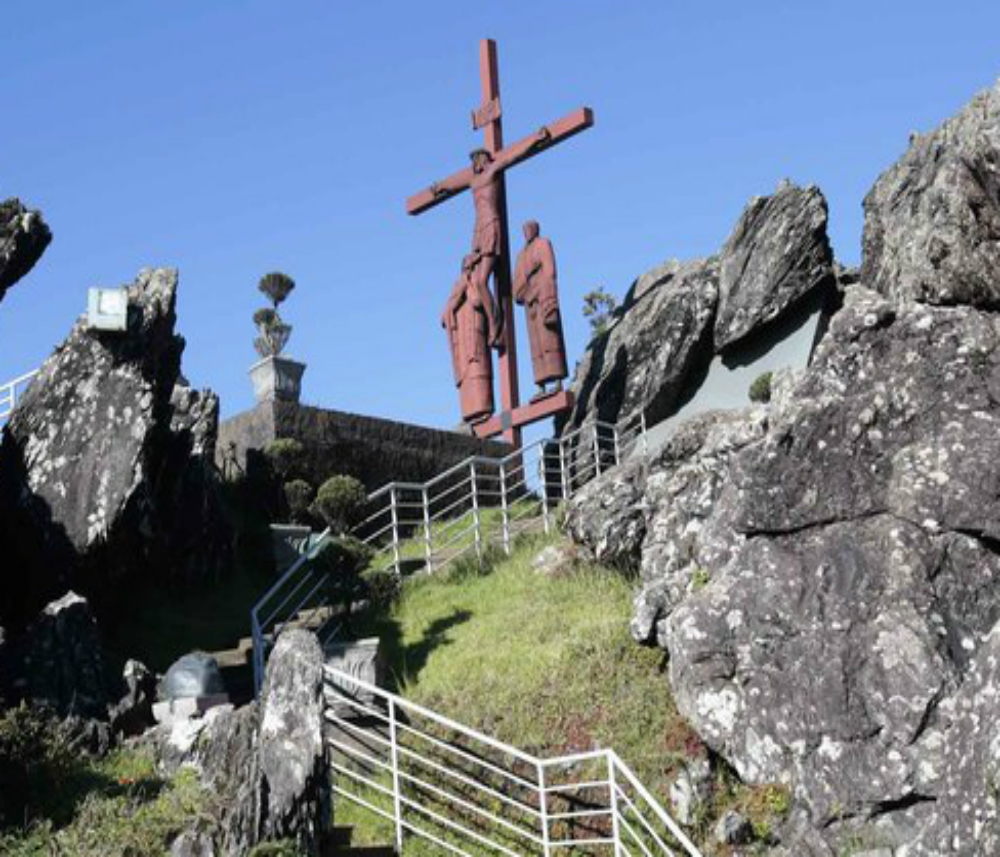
{"x":340,"y":502}
{"x":383,"y":587}
{"x":273,"y":332}
{"x":343,"y":557}
{"x":285,"y":455}
{"x":298,"y":496}
{"x":760,"y":389}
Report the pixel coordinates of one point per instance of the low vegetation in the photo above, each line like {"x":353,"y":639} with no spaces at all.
{"x":547,"y":664}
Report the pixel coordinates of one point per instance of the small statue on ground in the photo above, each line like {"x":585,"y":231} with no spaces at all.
{"x":470,"y":320}
{"x":535,"y":287}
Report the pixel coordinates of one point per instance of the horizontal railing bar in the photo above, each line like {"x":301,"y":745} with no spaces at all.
{"x":575,"y":843}
{"x":577,"y":787}
{"x":343,"y":769}
{"x":453,"y":505}
{"x":639,"y":815}
{"x":346,"y":678}
{"x":520,"y":831}
{"x":469,"y":757}
{"x":454,"y":825}
{"x":622,"y":821}
{"x":371,"y":712}
{"x":288,"y":597}
{"x":514,"y":802}
{"x":456,"y":538}
{"x":359,"y":800}
{"x":583,"y":813}
{"x":432,"y":838}
{"x":378,"y":739}
{"x":575,"y":758}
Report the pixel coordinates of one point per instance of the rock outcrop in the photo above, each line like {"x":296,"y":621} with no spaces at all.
{"x":824,"y":572}
{"x":104,"y":467}
{"x":266,"y":761}
{"x":932,"y":221}
{"x":676,"y":317}
{"x":24,"y":236}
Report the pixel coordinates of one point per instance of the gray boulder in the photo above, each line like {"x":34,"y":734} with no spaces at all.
{"x":777,"y":255}
{"x":192,"y":675}
{"x":655,"y":341}
{"x":932,"y":221}
{"x":96,"y":464}
{"x":862,"y":582}
{"x":266,"y":761}
{"x":24,"y":236}
{"x":62,"y":665}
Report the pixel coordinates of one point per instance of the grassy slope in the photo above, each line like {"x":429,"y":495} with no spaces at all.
{"x":547,"y":664}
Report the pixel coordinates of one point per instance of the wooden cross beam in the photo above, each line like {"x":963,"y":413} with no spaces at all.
{"x":489,"y":117}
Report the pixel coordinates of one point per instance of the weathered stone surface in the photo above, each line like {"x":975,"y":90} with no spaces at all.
{"x":607,"y":516}
{"x":690,"y":790}
{"x":24,"y":236}
{"x":777,"y":254}
{"x":932,"y":221}
{"x":62,"y":664}
{"x":265,"y":762}
{"x":655,"y":341}
{"x":133,"y":713}
{"x":733,"y":829}
{"x":192,"y":675}
{"x":835,"y":637}
{"x":102,"y":472}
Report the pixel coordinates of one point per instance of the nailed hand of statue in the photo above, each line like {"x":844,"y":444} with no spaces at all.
{"x":544,"y":135}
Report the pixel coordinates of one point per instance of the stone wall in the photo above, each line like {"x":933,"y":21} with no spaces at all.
{"x":371,"y":449}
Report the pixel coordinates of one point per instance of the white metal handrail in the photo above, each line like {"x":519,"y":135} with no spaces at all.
{"x":466,"y":509}
{"x":473,"y":795}
{"x":11,"y":392}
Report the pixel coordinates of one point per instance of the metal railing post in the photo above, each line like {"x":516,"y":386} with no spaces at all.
{"x":618,"y":448}
{"x":597,"y":453}
{"x":505,"y":508}
{"x":428,"y":538}
{"x":544,"y":476}
{"x":543,"y":811}
{"x":613,"y":805}
{"x":394,"y":511}
{"x":563,"y":471}
{"x":396,"y":795}
{"x":645,"y":440}
{"x":475,"y":512}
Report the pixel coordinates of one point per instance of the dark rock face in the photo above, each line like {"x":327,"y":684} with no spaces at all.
{"x":133,"y":713}
{"x":62,"y":665}
{"x":24,"y":236}
{"x":660,"y":335}
{"x":266,"y":761}
{"x":778,"y":253}
{"x":676,"y":317}
{"x":932,"y":221}
{"x":102,"y":472}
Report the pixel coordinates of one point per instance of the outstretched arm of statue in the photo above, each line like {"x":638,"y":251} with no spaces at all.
{"x":515,"y":153}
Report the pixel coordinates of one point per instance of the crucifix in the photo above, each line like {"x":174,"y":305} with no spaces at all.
{"x":490,"y":255}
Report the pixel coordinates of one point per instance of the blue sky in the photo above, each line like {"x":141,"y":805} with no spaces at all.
{"x":229,"y":139}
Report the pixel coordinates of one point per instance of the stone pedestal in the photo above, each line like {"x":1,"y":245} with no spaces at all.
{"x":360,"y":659}
{"x":277,"y":379}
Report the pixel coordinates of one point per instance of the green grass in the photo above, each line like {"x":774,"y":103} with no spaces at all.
{"x":114,"y":807}
{"x":546,"y":664}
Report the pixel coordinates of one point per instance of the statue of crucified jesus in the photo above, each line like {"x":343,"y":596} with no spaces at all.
{"x":485,"y":188}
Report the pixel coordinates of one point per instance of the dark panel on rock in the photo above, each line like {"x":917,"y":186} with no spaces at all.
{"x":778,"y":254}
{"x":932,"y":221}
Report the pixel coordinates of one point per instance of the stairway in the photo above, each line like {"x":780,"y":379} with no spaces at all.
{"x":338,"y":844}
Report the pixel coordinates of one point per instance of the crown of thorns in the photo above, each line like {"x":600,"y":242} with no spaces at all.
{"x":474,"y":152}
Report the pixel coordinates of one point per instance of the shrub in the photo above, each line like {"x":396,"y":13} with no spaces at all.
{"x":340,"y":502}
{"x":343,"y":556}
{"x":298,"y":496}
{"x":383,"y":587}
{"x":760,"y":389}
{"x":276,"y":286}
{"x":285,"y":455}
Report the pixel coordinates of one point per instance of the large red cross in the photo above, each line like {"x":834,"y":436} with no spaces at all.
{"x":488,"y":117}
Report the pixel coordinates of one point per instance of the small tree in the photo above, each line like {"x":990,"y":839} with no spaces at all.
{"x":273,"y":333}
{"x":285,"y":455}
{"x":598,"y":307}
{"x":760,"y":389}
{"x":339,"y":502}
{"x":299,"y":496}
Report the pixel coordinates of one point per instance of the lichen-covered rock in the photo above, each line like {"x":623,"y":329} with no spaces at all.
{"x":662,"y":332}
{"x":932,"y":221}
{"x":777,"y":255}
{"x":862,"y":582}
{"x":24,"y":236}
{"x":688,"y":529}
{"x":61,"y":664}
{"x":104,"y":468}
{"x":265,"y":762}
